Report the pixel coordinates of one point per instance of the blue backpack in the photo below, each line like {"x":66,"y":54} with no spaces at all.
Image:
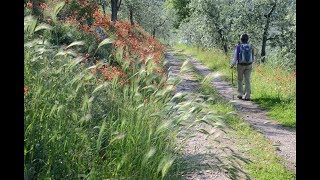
{"x":245,"y":54}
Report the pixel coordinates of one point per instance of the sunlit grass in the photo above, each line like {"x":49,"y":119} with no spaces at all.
{"x":77,"y":125}
{"x":265,"y":162}
{"x":71,"y":131}
{"x":82,"y":122}
{"x":272,"y":87}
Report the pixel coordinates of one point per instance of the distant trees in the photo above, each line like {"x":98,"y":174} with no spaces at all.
{"x":183,"y":10}
{"x":219,"y":23}
{"x":152,"y":15}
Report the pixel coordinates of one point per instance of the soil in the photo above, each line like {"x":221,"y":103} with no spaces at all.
{"x":202,"y":157}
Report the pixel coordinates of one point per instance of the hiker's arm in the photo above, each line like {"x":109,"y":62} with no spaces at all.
{"x":234,"y":60}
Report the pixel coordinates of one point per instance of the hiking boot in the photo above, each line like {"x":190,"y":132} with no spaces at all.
{"x":239,"y":97}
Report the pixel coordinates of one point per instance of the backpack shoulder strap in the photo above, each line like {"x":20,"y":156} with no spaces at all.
{"x":238,"y":51}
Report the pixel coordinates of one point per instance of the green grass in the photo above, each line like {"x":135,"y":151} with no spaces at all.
{"x":265,"y":163}
{"x":76,"y":125}
{"x":180,"y":56}
{"x":272,"y":87}
{"x":71,"y":131}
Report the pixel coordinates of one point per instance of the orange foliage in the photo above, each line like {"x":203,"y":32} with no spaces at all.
{"x":138,"y":43}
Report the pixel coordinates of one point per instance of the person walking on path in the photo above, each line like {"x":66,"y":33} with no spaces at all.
{"x":243,"y":58}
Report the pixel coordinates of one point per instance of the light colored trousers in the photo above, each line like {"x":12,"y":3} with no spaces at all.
{"x":244,"y":70}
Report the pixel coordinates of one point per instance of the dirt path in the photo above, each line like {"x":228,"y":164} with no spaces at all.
{"x":202,"y":157}
{"x":200,"y":151}
{"x":282,"y":137}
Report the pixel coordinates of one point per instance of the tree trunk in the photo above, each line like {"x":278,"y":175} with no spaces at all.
{"x":114,"y":10}
{"x":223,"y":41}
{"x":104,"y":10}
{"x":131,"y":16}
{"x":154,"y":33}
{"x":265,"y":33}
{"x":225,"y":48}
{"x":157,"y":26}
{"x":115,"y":5}
{"x":264,"y":41}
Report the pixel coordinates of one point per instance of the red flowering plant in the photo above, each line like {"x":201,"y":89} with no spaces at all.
{"x":132,"y":46}
{"x":35,"y":7}
{"x":81,"y":10}
{"x":133,"y":50}
{"x":26,"y":89}
{"x":279,"y":82}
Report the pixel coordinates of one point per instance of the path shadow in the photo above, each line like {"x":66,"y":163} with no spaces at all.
{"x":211,"y":163}
{"x":270,"y":102}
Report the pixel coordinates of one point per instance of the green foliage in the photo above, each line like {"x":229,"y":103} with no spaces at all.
{"x":77,"y":125}
{"x":273,"y":87}
{"x":219,"y":23}
{"x":264,"y":162}
{"x":74,"y":127}
{"x":79,"y":9}
{"x":151,"y":15}
{"x":56,"y":10}
{"x":182,"y":9}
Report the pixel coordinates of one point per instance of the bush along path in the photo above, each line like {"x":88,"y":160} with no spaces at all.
{"x":283,"y":138}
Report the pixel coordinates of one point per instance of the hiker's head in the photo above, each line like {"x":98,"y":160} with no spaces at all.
{"x":244,"y":38}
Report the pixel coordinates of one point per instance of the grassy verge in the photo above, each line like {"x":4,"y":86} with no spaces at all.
{"x":272,"y":87}
{"x":265,"y":163}
{"x":82,"y":121}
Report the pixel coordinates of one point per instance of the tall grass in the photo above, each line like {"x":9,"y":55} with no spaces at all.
{"x":273,"y":87}
{"x":83,"y":123}
{"x":78,"y":126}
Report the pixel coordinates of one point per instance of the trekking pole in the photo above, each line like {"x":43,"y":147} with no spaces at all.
{"x":232,"y":83}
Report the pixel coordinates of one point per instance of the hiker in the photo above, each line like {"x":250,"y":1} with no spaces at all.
{"x":243,"y":57}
